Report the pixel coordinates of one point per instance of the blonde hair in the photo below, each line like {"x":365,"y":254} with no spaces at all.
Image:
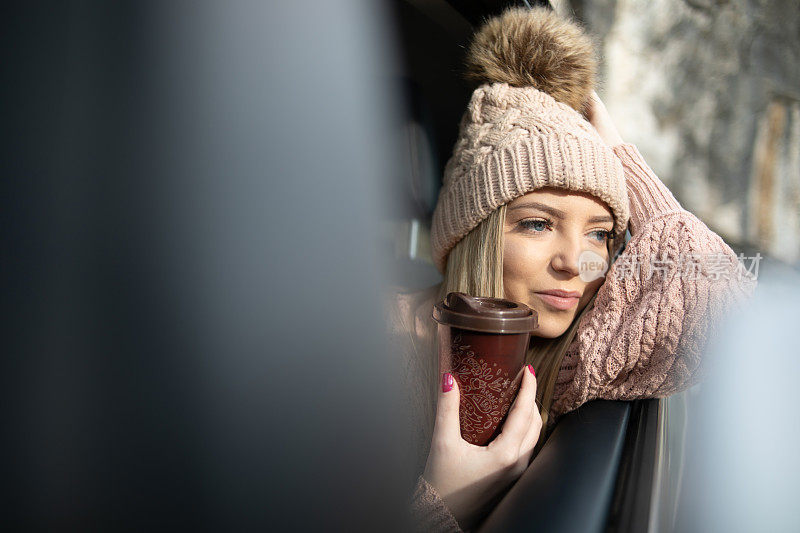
{"x":475,"y":267}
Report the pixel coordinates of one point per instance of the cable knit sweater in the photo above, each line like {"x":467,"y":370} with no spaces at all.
{"x":643,"y":338}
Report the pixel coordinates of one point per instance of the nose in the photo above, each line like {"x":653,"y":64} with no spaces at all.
{"x":565,"y":256}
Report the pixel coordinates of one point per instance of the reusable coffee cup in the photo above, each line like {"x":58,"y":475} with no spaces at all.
{"x":482,"y":343}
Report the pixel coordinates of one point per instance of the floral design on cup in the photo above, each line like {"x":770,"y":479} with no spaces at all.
{"x":487,"y":392}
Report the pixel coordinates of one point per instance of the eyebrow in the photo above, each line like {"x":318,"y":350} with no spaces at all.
{"x":558,"y":213}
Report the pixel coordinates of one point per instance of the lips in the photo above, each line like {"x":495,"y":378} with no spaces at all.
{"x":560,"y":299}
{"x":562,"y":293}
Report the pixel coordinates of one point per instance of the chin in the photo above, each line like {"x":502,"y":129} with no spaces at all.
{"x":550,"y":329}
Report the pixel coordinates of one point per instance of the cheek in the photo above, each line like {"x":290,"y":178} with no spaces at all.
{"x":523,"y":265}
{"x":589,"y":291}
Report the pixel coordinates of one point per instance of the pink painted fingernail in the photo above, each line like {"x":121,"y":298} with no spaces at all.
{"x":447,"y":382}
{"x":532,"y":371}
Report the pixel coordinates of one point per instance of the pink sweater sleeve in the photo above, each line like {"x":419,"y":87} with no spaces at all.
{"x":661,"y":300}
{"x":429,"y":513}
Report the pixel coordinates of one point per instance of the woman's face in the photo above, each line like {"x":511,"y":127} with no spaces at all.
{"x":545,"y":232}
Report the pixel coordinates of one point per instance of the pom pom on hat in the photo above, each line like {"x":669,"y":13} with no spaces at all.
{"x":536,"y":48}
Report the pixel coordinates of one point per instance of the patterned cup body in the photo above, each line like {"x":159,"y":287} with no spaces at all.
{"x":488,"y":370}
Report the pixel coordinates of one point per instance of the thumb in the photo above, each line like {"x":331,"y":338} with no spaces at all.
{"x":447,"y":425}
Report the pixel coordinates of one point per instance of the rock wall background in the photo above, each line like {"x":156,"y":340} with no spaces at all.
{"x":709,"y":90}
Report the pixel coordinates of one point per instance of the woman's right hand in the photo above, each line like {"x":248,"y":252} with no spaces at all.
{"x":469,"y":477}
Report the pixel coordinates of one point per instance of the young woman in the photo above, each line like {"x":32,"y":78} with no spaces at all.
{"x":540,"y":187}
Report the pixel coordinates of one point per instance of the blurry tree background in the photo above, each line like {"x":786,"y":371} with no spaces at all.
{"x":709,"y":90}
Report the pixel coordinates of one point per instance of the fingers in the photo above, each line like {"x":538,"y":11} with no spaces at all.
{"x":596,"y":101}
{"x":519,"y":417}
{"x":595,"y":108}
{"x":598,"y":116}
{"x":532,"y":437}
{"x":592,"y":105}
{"x":447,"y":424}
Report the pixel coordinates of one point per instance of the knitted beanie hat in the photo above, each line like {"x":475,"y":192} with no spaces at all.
{"x":523,"y":129}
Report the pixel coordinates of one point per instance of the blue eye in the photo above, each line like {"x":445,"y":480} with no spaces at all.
{"x":602,"y":235}
{"x":537,"y":225}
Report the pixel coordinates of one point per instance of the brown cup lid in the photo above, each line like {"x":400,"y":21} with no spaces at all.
{"x":489,"y":315}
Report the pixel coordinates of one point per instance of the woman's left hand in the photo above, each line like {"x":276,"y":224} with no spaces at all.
{"x":598,"y":116}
